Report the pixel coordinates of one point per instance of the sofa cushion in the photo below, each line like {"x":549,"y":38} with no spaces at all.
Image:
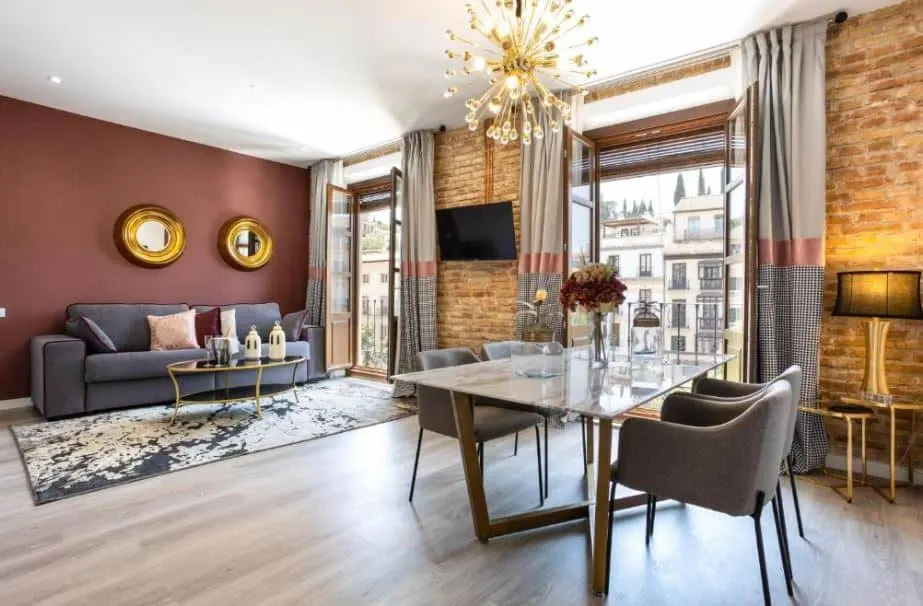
{"x":176,"y":331}
{"x":261,"y":315}
{"x":89,"y":331}
{"x":207,"y":324}
{"x":127,"y":366}
{"x":293,"y":324}
{"x":124,"y":323}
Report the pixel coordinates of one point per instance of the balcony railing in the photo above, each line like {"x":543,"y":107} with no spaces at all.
{"x":645,"y":273}
{"x":711,"y":323}
{"x":699,"y":235}
{"x":373,"y":336}
{"x":710,"y":284}
{"x":679,"y":284}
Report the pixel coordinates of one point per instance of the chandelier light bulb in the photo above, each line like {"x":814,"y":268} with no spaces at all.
{"x":526,"y":60}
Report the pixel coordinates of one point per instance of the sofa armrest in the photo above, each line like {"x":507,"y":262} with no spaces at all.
{"x":317,"y":365}
{"x":58,"y":388}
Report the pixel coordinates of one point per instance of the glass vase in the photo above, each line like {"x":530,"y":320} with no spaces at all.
{"x":599,"y":339}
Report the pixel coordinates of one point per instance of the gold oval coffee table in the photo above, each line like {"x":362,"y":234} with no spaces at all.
{"x":228,"y":394}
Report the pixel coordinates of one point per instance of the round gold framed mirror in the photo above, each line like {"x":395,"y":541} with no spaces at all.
{"x":150,"y":236}
{"x":245,"y":243}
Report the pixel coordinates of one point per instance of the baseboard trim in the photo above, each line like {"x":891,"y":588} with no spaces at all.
{"x":15,"y":403}
{"x":877,"y":469}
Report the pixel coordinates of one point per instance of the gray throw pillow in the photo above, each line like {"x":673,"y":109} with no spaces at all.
{"x":293,"y":323}
{"x":96,"y":338}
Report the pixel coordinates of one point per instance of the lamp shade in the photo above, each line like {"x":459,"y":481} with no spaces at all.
{"x":879,"y":294}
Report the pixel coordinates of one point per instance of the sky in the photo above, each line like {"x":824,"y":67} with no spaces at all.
{"x":659,"y":188}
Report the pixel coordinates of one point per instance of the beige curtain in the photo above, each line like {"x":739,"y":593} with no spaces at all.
{"x":788,"y":66}
{"x":418,"y":254}
{"x":541,"y":195}
{"x":322,"y":173}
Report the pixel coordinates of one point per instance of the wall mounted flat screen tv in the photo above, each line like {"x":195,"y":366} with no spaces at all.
{"x":477,"y":233}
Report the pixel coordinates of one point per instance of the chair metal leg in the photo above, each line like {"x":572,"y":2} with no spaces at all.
{"x":609,"y":538}
{"x":516,"y":445}
{"x":767,"y":600}
{"x":583,"y":441}
{"x":546,"y":457}
{"x":653,"y":498}
{"x":416,"y":462}
{"x":647,"y":522}
{"x":782,"y":548}
{"x":538,"y":455}
{"x":784,"y":526}
{"x":791,"y":479}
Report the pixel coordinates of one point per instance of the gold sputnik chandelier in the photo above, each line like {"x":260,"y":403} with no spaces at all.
{"x":519,"y":44}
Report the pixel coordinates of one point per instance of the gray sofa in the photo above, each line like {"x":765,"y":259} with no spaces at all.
{"x":67,"y":379}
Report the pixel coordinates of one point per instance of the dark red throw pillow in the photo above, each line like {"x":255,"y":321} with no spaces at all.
{"x":207,"y":324}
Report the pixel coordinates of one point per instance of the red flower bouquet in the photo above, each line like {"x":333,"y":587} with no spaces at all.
{"x":594,"y":287}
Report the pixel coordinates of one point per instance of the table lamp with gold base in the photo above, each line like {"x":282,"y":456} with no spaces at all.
{"x":878,"y":295}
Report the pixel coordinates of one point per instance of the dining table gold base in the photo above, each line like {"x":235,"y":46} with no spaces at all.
{"x":595,"y":508}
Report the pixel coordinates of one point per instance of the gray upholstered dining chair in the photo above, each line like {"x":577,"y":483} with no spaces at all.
{"x":500,"y":350}
{"x":434,"y":412}
{"x":730,"y":391}
{"x":728,"y":461}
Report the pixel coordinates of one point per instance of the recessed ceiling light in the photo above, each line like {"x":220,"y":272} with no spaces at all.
{"x":54,"y":79}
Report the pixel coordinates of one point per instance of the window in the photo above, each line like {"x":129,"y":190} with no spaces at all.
{"x":711,"y":275}
{"x":383,"y":278}
{"x":678,"y":319}
{"x":706,"y":344}
{"x":719,"y":225}
{"x":614,"y":263}
{"x":644,"y":262}
{"x":733,"y":314}
{"x":679,"y":281}
{"x":644,"y":295}
{"x":693,"y":225}
{"x":636,"y":231}
{"x":677,"y":343}
{"x":710,"y":312}
{"x":365,"y":278}
{"x":365,"y":306}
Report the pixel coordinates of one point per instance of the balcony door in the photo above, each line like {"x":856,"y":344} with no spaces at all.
{"x":377,"y":281}
{"x":340,"y":271}
{"x":740,"y":239}
{"x":580,"y":232}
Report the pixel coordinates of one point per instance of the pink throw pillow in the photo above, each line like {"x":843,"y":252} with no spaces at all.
{"x":173,"y":332}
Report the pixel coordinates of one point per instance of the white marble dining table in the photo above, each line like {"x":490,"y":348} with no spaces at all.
{"x":599,"y":396}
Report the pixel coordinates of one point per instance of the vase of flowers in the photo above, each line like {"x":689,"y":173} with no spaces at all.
{"x":595,"y":288}
{"x":536,"y":331}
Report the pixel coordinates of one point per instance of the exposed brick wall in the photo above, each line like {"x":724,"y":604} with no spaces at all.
{"x":635,"y":82}
{"x":476,"y":300}
{"x":874,"y":193}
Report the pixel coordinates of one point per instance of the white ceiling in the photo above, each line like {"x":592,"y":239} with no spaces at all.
{"x":298,"y":80}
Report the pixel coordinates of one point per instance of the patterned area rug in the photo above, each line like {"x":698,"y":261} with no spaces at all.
{"x":75,"y":456}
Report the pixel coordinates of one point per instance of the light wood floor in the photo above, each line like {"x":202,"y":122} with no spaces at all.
{"x":327,"y":522}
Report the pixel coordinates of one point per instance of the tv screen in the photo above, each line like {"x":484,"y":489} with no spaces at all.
{"x":477,"y":233}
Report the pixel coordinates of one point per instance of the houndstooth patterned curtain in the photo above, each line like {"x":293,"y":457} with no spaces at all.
{"x":788,"y":66}
{"x":322,"y":173}
{"x":417,"y":327}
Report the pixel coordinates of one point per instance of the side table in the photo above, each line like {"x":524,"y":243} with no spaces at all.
{"x":850,"y":413}
{"x":893,"y":408}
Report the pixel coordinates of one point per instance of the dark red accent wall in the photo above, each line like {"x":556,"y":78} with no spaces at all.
{"x":64,"y":179}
